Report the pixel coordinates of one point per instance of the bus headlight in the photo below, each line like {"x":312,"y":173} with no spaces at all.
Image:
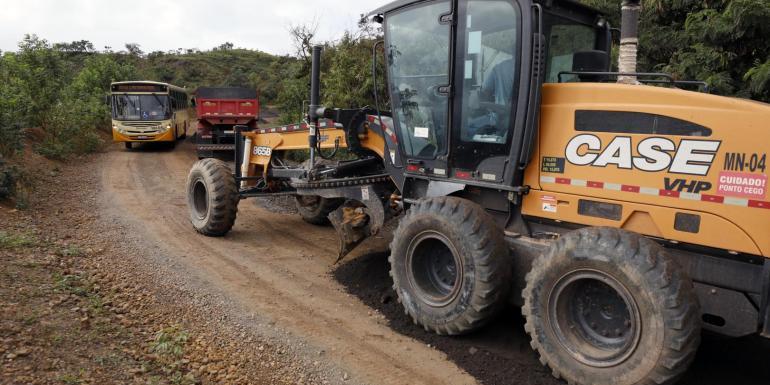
{"x":168,"y":126}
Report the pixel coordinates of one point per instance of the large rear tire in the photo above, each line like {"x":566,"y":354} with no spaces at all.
{"x":212,"y":197}
{"x":450,"y":265}
{"x":606,"y":306}
{"x":315,"y":210}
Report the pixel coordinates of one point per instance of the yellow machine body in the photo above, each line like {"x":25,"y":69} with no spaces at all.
{"x":262,"y":143}
{"x":611,"y":155}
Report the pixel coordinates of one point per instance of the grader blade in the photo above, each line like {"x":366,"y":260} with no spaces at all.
{"x":355,"y":222}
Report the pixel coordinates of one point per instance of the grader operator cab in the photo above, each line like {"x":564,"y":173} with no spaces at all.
{"x":621,"y":218}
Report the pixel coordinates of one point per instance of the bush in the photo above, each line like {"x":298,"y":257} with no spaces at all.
{"x":13,"y":184}
{"x":7,"y":180}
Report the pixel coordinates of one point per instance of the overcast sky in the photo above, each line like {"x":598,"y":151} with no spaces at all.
{"x":170,"y":24}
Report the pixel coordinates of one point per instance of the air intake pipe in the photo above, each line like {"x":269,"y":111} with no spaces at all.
{"x":629,"y":39}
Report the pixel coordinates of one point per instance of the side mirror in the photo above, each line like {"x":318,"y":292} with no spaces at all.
{"x":591,"y":61}
{"x":615,"y":34}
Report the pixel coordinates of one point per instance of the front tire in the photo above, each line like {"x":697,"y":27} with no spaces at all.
{"x":606,"y":306}
{"x":450,"y":265}
{"x":315,"y":209}
{"x":212,"y":197}
{"x":128,"y":145}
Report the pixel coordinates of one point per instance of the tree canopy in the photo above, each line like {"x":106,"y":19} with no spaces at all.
{"x":722,"y":42}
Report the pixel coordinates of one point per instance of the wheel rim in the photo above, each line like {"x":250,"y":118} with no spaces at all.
{"x":200,"y":199}
{"x":594,"y":317}
{"x":434,"y":268}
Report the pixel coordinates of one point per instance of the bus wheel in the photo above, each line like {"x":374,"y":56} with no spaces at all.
{"x":450,"y":265}
{"x":315,"y":210}
{"x":212,"y":197}
{"x":128,"y":145}
{"x":607,"y":306}
{"x":184,"y":131}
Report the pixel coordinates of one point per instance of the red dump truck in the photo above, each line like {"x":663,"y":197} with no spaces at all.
{"x":219,"y":110}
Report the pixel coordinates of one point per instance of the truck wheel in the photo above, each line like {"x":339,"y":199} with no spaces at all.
{"x":450,"y":265}
{"x":314,"y":209}
{"x":212,"y":197}
{"x":606,"y":306}
{"x":128,"y":145}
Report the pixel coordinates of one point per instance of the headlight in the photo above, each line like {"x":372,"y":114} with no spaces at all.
{"x":168,"y":126}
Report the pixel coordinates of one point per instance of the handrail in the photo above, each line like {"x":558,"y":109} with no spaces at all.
{"x":669,"y":79}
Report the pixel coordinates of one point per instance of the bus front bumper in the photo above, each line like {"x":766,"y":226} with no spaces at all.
{"x":167,"y":136}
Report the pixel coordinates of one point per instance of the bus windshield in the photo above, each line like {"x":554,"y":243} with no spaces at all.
{"x":140,"y":107}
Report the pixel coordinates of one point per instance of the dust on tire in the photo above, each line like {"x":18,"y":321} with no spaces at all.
{"x":669,"y":329}
{"x":212,"y":197}
{"x":480,"y":248}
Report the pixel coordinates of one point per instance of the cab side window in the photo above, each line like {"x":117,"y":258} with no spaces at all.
{"x":490,"y":68}
{"x":564,"y":39}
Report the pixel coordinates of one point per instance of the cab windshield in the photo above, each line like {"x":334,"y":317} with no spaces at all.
{"x":140,"y":107}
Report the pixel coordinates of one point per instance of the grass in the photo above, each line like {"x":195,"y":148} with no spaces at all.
{"x":71,"y":251}
{"x":9,"y":241}
{"x":73,"y":284}
{"x":72,"y":379}
{"x":170,"y":342}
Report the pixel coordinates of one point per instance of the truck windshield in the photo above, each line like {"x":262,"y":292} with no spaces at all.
{"x":140,"y":107}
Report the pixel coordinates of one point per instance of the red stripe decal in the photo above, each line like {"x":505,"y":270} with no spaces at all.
{"x":627,"y":188}
{"x":759,"y":204}
{"x":712,"y":198}
{"x":563,"y":180}
{"x":669,"y":193}
{"x":595,"y":184}
{"x":463,"y":174}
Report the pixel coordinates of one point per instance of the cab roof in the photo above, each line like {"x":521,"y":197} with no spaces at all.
{"x":392,"y":6}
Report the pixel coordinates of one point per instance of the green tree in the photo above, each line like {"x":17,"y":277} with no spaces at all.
{"x":723,"y":42}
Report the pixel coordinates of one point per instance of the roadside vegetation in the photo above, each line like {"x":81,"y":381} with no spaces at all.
{"x":721,"y":42}
{"x":61,"y":325}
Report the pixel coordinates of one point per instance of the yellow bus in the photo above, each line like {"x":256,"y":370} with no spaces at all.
{"x":146,"y":111}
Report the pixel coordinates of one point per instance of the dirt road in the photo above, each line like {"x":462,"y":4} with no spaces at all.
{"x":279,"y":271}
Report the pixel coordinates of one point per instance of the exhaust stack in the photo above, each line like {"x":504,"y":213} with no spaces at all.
{"x":629,"y":39}
{"x":315,"y":101}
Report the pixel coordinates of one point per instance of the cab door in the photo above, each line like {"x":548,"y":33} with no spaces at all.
{"x":488,"y":62}
{"x":418,"y":53}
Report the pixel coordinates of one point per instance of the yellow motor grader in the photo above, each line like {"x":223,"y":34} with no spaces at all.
{"x":622,"y":218}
